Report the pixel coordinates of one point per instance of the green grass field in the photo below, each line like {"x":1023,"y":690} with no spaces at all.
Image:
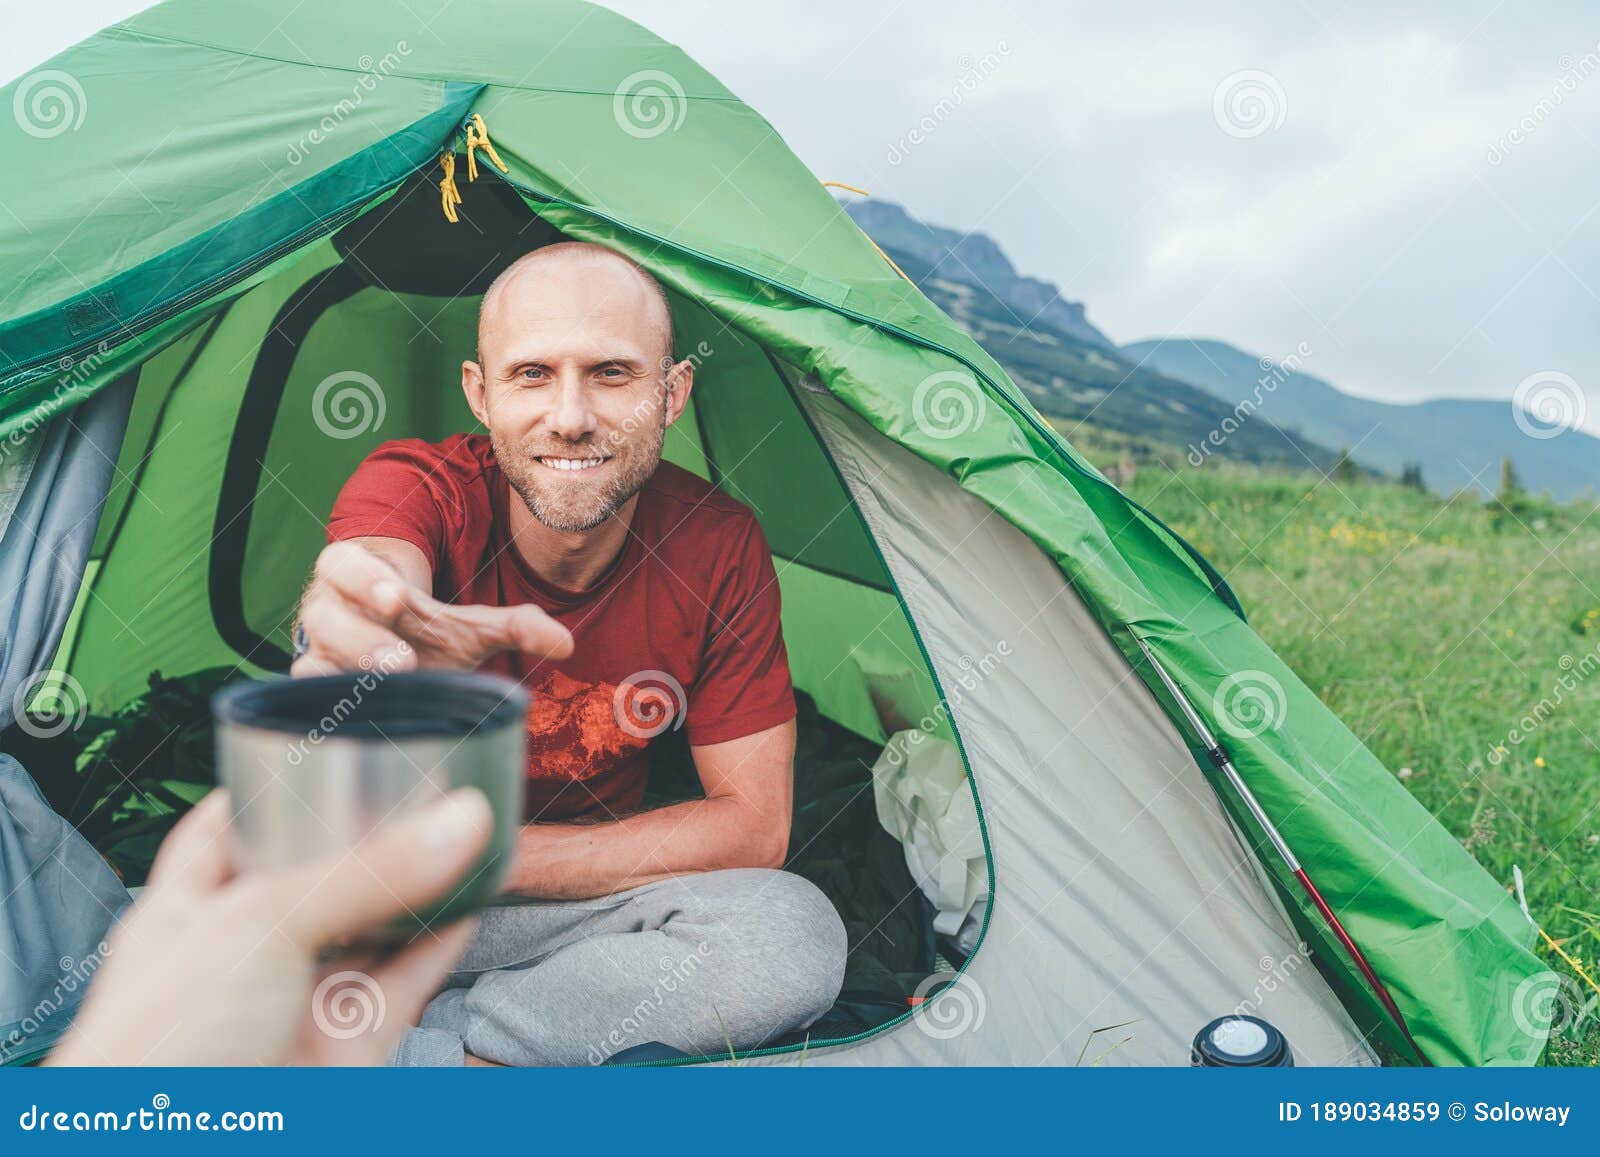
{"x":1438,"y":632}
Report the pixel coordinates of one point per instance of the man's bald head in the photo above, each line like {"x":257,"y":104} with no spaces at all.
{"x":625,"y":283}
{"x":575,"y":381}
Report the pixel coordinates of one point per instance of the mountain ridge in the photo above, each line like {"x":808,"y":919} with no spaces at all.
{"x":1458,"y":442}
{"x":1207,"y":395}
{"x":975,"y":259}
{"x":1072,"y":374}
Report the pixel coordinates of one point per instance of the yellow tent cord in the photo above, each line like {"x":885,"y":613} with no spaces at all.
{"x":478,"y":138}
{"x":449,"y":195}
{"x":870,"y":241}
{"x":1575,"y":966}
{"x":887,"y":258}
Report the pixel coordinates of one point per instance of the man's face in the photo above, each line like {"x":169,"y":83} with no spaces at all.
{"x":576,"y":387}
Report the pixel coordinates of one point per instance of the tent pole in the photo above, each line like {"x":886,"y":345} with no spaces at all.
{"x":1220,"y":759}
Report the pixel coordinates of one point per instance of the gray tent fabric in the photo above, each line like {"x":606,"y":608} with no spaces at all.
{"x":57,"y":896}
{"x":1102,"y":829}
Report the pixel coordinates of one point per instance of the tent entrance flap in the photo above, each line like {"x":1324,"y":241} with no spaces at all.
{"x":283,"y":396}
{"x":244,"y":429}
{"x":1128,"y":897}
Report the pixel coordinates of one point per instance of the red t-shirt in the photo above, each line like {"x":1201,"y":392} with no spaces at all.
{"x":682,"y":631}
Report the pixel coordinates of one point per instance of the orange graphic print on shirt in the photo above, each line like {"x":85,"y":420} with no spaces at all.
{"x":573,"y":731}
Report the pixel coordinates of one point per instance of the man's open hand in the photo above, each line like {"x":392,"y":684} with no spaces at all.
{"x":366,"y":609}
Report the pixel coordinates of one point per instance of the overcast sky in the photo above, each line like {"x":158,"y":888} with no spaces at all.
{"x":1410,"y":190}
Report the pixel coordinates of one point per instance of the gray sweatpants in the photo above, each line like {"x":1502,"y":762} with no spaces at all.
{"x":692,"y":962}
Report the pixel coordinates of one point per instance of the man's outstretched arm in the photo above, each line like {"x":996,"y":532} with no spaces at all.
{"x":369,"y":602}
{"x":369,"y":605}
{"x":742,"y":823}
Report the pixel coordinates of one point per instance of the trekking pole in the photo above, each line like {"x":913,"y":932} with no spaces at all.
{"x":1220,"y":759}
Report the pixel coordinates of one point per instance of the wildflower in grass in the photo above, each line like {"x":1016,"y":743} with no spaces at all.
{"x":1538,"y":761}
{"x":1483,"y":830}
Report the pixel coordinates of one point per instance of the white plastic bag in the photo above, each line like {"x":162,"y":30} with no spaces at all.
{"x":920,"y":787}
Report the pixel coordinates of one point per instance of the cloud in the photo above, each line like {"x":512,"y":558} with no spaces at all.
{"x":1370,"y":218}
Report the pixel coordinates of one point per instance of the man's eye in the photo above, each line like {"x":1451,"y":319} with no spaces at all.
{"x":532,"y":374}
{"x":613,"y":372}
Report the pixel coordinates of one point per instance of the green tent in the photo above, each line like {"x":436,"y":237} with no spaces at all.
{"x":232,"y":275}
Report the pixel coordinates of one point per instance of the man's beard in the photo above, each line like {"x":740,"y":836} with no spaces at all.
{"x":564,"y":506}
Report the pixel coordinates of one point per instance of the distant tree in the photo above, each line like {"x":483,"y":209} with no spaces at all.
{"x":1512,"y":505}
{"x":1346,"y":469}
{"x":1510,"y":483}
{"x":1411,"y":476}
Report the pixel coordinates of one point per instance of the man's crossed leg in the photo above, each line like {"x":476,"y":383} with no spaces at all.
{"x":696,"y":962}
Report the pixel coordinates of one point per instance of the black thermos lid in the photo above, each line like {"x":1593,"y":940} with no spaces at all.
{"x":1233,"y":1042}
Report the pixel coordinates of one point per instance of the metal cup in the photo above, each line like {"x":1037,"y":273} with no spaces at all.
{"x":314,"y":765}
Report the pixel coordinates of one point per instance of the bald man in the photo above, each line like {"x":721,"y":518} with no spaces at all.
{"x":631,"y":598}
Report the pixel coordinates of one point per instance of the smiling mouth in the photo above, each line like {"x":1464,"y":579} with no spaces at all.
{"x":572,"y":465}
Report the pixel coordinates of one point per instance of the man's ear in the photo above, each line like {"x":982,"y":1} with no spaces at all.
{"x":680,"y":381}
{"x":472,"y":387}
